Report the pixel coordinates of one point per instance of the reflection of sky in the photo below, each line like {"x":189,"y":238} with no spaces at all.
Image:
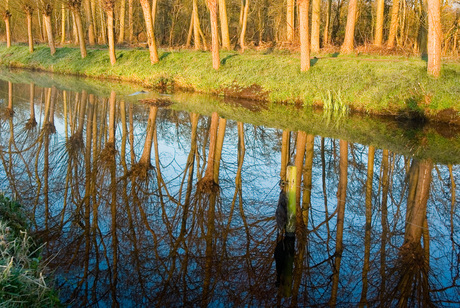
{"x":260,"y":193}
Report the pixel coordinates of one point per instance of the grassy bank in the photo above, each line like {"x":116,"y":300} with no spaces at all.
{"x":22,"y":283}
{"x":393,"y":85}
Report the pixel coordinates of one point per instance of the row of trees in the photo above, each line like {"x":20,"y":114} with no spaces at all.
{"x":415,"y":25}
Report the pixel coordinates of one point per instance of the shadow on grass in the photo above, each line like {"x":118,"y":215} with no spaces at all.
{"x":313,"y":61}
{"x":224,"y":60}
{"x":164,"y":55}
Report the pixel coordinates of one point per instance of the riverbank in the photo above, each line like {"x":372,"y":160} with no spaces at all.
{"x":380,"y":85}
{"x":22,"y":282}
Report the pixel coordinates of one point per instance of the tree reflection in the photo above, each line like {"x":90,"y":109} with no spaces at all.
{"x":192,"y":223}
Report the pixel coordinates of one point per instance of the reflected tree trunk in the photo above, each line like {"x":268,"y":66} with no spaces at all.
{"x":368,"y":228}
{"x":341,"y":198}
{"x":285,"y":153}
{"x":299,"y":161}
{"x":384,"y":221}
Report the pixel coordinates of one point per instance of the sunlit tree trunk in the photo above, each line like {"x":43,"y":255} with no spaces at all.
{"x":130,"y":21}
{"x":29,"y":11}
{"x":146,"y":8}
{"x":327,"y":23}
{"x":63,"y":22}
{"x":212,"y":4}
{"x":315,"y":24}
{"x":378,"y":37}
{"x":393,"y":24}
{"x":244,"y":24}
{"x":434,"y":38}
{"x":224,"y":25}
{"x":304,"y":41}
{"x":290,"y":7}
{"x":75,"y":6}
{"x":368,"y":227}
{"x":7,"y":18}
{"x":196,"y":26}
{"x":90,"y":23}
{"x":109,"y":9}
{"x":341,"y":197}
{"x":121,"y":37}
{"x":48,"y":10}
{"x":347,"y":46}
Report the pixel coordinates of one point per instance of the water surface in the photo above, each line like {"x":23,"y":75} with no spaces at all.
{"x":169,"y":200}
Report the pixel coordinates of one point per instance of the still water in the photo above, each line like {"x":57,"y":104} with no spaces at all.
{"x":148,"y":199}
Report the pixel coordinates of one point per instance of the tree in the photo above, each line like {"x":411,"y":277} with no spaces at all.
{"x":393,"y":24}
{"x":315,"y":24}
{"x":347,"y":46}
{"x":378,"y":37}
{"x":224,"y":24}
{"x":121,"y":37}
{"x":244,"y":23}
{"x":434,"y":38}
{"x":109,"y":6}
{"x":146,"y":8}
{"x":75,"y":7}
{"x":90,"y":23}
{"x":304,"y":42}
{"x":47,"y":8}
{"x":212,"y":4}
{"x":28,"y":8}
{"x":6,"y":18}
{"x":290,"y":20}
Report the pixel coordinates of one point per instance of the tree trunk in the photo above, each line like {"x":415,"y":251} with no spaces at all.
{"x":326,"y":37}
{"x":80,"y":31}
{"x":196,"y":26}
{"x":315,"y":24}
{"x":150,"y":31}
{"x":212,"y":4}
{"x":378,"y":37}
{"x":347,"y":46}
{"x":7,"y":18}
{"x":111,"y":35}
{"x":290,"y":6}
{"x":224,"y":25}
{"x":63,"y":21}
{"x":121,"y":37}
{"x":304,"y":41}
{"x":434,"y":38}
{"x":130,"y":22}
{"x":29,"y":30}
{"x":90,"y":23}
{"x":244,"y":24}
{"x":393,"y":24}
{"x":49,"y":32}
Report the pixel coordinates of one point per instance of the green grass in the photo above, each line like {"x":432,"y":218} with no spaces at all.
{"x":22,"y":282}
{"x":370,"y":84}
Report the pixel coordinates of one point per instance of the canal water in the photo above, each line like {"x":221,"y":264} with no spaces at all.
{"x":156,"y":199}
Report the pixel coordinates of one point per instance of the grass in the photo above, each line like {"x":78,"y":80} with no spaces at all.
{"x":22,"y":282}
{"x":370,"y":84}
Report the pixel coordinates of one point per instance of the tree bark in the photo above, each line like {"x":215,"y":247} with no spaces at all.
{"x":434,"y":38}
{"x":244,"y":24}
{"x":90,"y":23}
{"x":63,"y":21}
{"x":150,"y":31}
{"x":29,"y":12}
{"x":378,"y":37}
{"x":80,"y":32}
{"x":304,"y":41}
{"x":315,"y":25}
{"x":393,"y":24}
{"x":49,"y":31}
{"x":130,"y":21}
{"x":212,"y":4}
{"x":327,"y":24}
{"x":7,"y":18}
{"x":121,"y":37}
{"x":290,"y":6}
{"x":347,"y":46}
{"x":111,"y":34}
{"x":224,"y":25}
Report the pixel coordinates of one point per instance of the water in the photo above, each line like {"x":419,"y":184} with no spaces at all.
{"x":137,"y":211}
